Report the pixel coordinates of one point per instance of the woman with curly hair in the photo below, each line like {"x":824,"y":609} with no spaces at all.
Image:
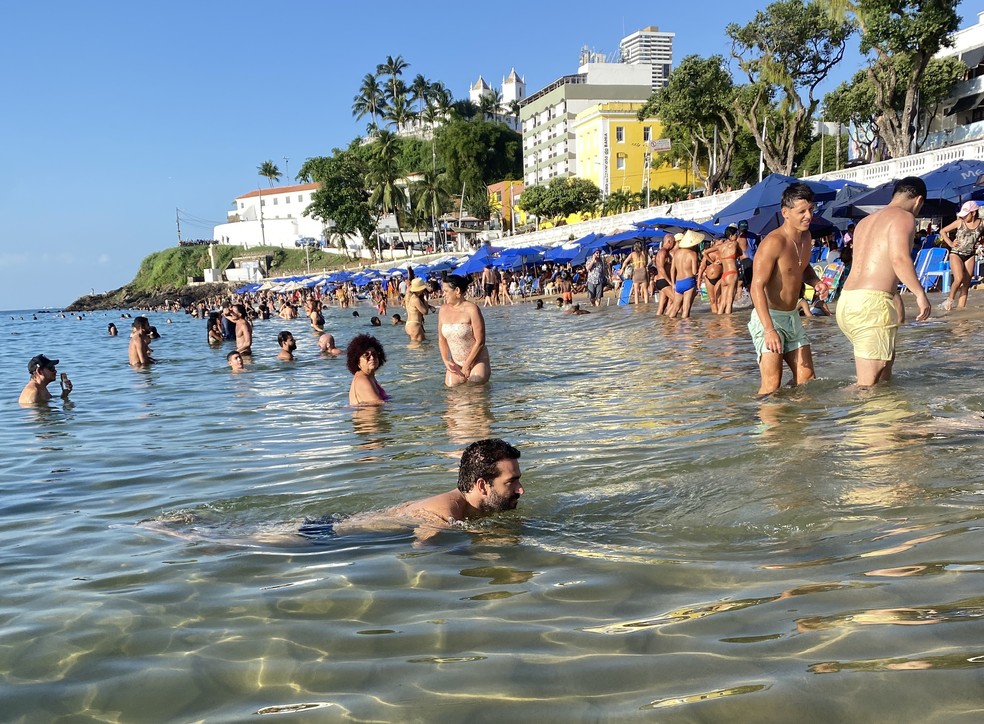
{"x":365,"y":355}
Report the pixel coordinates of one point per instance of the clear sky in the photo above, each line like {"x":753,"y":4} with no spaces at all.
{"x":117,"y":113}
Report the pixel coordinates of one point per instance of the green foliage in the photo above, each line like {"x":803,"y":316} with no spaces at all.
{"x":342,"y":197}
{"x":698,"y":98}
{"x":810,"y":164}
{"x":903,"y":36}
{"x":787,"y":51}
{"x":561,"y":197}
{"x":475,"y":154}
{"x":269,"y":170}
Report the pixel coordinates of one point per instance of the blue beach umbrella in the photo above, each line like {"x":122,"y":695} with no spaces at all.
{"x":475,"y":263}
{"x":568,"y":250}
{"x":588,"y":249}
{"x":675,"y":225}
{"x":759,"y":206}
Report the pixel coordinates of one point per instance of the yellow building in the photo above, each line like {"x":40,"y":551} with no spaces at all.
{"x":611,"y":145}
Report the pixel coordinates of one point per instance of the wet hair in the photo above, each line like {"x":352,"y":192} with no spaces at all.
{"x":154,"y":334}
{"x":232,"y":354}
{"x":111,"y":327}
{"x":539,"y":304}
{"x":240,"y":310}
{"x":730,"y":231}
{"x":355,"y":314}
{"x":376,"y":322}
{"x":359,"y":345}
{"x":397,"y":318}
{"x":283,"y":337}
{"x":141,"y":322}
{"x":479,"y":461}
{"x":796,"y":192}
{"x":457,"y":281}
{"x":911,"y":186}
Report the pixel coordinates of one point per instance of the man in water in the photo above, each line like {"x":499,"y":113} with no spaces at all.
{"x":684,"y":273}
{"x":326,"y":343}
{"x":870,"y":310}
{"x":235,"y":361}
{"x":781,"y":267}
{"x":661,"y":284}
{"x":287,"y":346}
{"x":244,"y":330}
{"x":43,"y":373}
{"x":488,"y":483}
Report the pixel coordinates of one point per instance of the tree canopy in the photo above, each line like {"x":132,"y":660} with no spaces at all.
{"x":561,"y":197}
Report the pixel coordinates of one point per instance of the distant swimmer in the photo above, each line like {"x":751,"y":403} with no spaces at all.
{"x":326,"y":343}
{"x":111,"y":329}
{"x":139,"y":350}
{"x":244,"y":330}
{"x":365,"y":356}
{"x":43,"y":373}
{"x":488,"y":483}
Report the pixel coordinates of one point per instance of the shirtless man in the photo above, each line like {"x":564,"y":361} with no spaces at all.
{"x":43,"y":373}
{"x":488,"y":482}
{"x":490,"y":283}
{"x":684,"y":273}
{"x":781,"y":267}
{"x":870,"y":310}
{"x":287,"y":346}
{"x":244,"y":330}
{"x":326,"y":343}
{"x":662,"y":285}
{"x":139,"y":349}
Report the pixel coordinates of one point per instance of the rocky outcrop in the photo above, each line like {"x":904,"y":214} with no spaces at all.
{"x":128,"y":298}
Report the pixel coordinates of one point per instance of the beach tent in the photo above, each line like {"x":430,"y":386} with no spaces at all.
{"x":475,"y":263}
{"x":568,"y":250}
{"x":760,"y":205}
{"x":844,"y":196}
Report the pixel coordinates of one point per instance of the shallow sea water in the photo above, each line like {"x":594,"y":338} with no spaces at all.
{"x":684,"y":552}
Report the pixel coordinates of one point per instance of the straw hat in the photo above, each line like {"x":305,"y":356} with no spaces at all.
{"x":691,"y":239}
{"x":418,"y":285}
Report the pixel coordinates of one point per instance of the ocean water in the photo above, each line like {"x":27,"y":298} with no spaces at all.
{"x":684,"y":552}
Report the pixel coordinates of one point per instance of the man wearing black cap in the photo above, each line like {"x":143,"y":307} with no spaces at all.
{"x":43,"y":373}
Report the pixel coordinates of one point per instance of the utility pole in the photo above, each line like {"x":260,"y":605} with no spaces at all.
{"x":259,"y":199}
{"x":287,"y":169}
{"x":177,"y":219}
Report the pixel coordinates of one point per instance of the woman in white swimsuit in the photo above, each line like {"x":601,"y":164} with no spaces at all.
{"x":461,"y":336}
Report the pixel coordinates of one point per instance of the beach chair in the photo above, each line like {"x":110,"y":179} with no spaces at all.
{"x":933,"y":265}
{"x":623,"y":297}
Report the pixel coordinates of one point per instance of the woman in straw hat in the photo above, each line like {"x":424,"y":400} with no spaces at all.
{"x":416,"y":309}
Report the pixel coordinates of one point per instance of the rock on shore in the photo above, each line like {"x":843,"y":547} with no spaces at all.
{"x":128,"y":298}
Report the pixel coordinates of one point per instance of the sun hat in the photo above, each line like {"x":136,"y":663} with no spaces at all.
{"x":967,"y":208}
{"x":690,"y":239}
{"x":678,"y":237}
{"x":40,"y":362}
{"x":418,"y":285}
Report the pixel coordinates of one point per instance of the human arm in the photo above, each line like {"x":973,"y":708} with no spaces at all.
{"x":66,"y":386}
{"x":763,"y":267}
{"x":945,"y":233}
{"x":478,"y":332}
{"x":900,"y":235}
{"x":804,"y":308}
{"x":442,"y":344}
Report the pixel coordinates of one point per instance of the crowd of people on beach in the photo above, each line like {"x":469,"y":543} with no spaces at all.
{"x":773,"y":272}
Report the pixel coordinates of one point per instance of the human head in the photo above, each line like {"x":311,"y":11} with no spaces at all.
{"x":730,"y":232}
{"x":240,"y":310}
{"x":560,"y":301}
{"x":637,"y":246}
{"x":140,"y":324}
{"x":112,"y":330}
{"x":355,"y":314}
{"x":797,"y":206}
{"x":154,"y":334}
{"x":793,"y":193}
{"x":418,"y":285}
{"x":969,"y":207}
{"x":668,"y":241}
{"x":326,"y":342}
{"x":286,"y":340}
{"x":40,"y":363}
{"x":359,"y":345}
{"x":742,"y":227}
{"x":577,"y":307}
{"x":539,"y":304}
{"x":376,"y":322}
{"x":911,"y":192}
{"x":397,"y":319}
{"x":480,"y":461}
{"x":457,"y":282}
{"x":235,"y":360}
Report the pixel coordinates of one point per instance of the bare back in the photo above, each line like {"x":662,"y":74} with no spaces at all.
{"x":881,"y":241}
{"x":684,"y":264}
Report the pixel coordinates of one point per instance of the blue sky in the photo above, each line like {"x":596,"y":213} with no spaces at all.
{"x":118,"y":113}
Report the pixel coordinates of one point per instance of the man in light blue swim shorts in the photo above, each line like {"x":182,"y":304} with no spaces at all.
{"x":780,"y":268}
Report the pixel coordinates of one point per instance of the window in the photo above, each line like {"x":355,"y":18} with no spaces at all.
{"x":288,"y":200}
{"x":647,"y":133}
{"x":300,"y":198}
{"x":620,"y":162}
{"x":619,"y":134}
{"x":262,"y":202}
{"x":274,"y":200}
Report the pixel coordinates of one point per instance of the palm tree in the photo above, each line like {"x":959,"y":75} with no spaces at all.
{"x":269,"y":170}
{"x":432,"y":196}
{"x":489,"y":104}
{"x":385,"y":193}
{"x":464,"y":109}
{"x":442,"y":100}
{"x":420,"y":89}
{"x":400,"y":113}
{"x":370,"y":98}
{"x":393,"y":67}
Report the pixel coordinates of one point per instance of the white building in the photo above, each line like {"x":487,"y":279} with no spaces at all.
{"x":963,"y":114}
{"x":547,"y":116}
{"x":653,"y":48}
{"x":270,"y":217}
{"x":513,"y":89}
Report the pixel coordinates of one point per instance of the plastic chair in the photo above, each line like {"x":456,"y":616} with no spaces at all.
{"x":933,"y":264}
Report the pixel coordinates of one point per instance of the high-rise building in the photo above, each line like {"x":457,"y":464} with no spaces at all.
{"x":650,"y":47}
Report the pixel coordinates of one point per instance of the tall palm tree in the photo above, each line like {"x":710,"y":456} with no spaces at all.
{"x":269,"y":170}
{"x":393,"y":67}
{"x":420,"y":90}
{"x":442,"y":100}
{"x":384,"y":191}
{"x":370,"y":98}
{"x":464,"y":109}
{"x":399,"y":112}
{"x":432,"y":196}
{"x":489,"y":104}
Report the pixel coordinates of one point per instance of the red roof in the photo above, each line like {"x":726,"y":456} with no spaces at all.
{"x":279,"y":190}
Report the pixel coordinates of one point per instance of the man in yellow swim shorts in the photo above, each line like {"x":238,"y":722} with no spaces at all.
{"x":869,"y":310}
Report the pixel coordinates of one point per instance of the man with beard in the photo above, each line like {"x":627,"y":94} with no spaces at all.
{"x":287,"y":346}
{"x":488,"y":482}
